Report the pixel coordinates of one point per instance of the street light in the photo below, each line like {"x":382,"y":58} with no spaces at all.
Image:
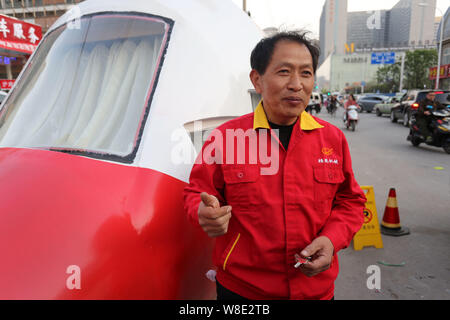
{"x":422,"y":4}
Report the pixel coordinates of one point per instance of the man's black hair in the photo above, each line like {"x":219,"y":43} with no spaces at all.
{"x":263,"y":51}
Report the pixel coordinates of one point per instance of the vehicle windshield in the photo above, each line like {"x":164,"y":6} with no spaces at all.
{"x":87,"y":89}
{"x":443,"y":98}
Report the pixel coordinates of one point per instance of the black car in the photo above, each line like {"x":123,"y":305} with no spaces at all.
{"x":367,"y":102}
{"x":410,"y":103}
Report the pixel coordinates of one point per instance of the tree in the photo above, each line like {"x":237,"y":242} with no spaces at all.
{"x":417,"y":64}
{"x":388,"y":78}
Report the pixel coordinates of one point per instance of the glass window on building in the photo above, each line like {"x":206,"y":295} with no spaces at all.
{"x":446,"y":54}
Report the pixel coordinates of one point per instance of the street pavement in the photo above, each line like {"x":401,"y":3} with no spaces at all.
{"x":383,"y":158}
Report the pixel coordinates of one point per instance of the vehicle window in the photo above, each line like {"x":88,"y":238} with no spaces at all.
{"x":94,"y":97}
{"x":421,"y":96}
{"x":443,"y":98}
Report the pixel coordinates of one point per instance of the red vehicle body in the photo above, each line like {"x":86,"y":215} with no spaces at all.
{"x":84,"y":219}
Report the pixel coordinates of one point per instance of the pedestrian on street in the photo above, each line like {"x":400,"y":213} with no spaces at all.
{"x":277,"y":232}
{"x":423,"y":115}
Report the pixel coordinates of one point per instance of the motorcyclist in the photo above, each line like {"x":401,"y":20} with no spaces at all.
{"x":423,"y":115}
{"x":350,"y":102}
{"x":332,"y":105}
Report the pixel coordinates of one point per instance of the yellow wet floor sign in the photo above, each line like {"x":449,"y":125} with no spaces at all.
{"x":369,"y":234}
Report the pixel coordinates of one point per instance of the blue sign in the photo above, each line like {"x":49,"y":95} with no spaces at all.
{"x":383,"y":58}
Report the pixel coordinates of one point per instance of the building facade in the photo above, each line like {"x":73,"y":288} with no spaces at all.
{"x":40,"y":12}
{"x":367,"y":29}
{"x":333,"y":28}
{"x":411,"y":23}
{"x":444,"y":80}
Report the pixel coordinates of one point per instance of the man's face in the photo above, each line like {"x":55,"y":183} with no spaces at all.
{"x":288,"y":82}
{"x":431,"y":96}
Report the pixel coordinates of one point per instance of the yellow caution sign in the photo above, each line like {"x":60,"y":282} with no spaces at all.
{"x":369,"y":234}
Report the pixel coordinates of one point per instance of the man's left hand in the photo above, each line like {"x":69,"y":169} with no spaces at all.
{"x":321,"y":252}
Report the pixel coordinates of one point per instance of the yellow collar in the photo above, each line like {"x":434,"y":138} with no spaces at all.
{"x":307,"y":122}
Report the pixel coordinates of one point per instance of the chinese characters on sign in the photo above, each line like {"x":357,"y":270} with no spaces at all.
{"x":383,"y":58}
{"x":445,"y":72}
{"x":6,"y":84}
{"x":18,"y":35}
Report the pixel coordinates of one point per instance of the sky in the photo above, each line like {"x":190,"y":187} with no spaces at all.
{"x":305,"y":14}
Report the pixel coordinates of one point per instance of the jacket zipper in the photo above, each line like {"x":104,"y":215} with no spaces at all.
{"x":231,"y":250}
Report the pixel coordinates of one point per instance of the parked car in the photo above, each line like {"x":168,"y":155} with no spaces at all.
{"x":410,"y":103}
{"x":368,"y":102}
{"x":386,"y":106}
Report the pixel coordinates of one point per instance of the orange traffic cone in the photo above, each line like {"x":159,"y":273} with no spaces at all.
{"x":390,"y":225}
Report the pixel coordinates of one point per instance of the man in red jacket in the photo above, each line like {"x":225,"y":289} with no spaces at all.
{"x":276,"y":187}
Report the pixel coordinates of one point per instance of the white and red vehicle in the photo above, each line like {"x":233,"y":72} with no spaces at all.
{"x":91,"y":172}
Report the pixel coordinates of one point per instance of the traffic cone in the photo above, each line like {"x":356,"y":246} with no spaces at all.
{"x":390,"y":225}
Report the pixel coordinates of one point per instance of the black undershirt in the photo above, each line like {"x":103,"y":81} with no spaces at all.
{"x":284,"y":133}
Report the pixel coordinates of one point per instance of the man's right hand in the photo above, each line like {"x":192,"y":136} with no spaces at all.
{"x":212,"y":217}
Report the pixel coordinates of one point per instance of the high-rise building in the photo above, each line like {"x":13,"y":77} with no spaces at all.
{"x":411,"y":23}
{"x":333,"y":28}
{"x":368,"y":29}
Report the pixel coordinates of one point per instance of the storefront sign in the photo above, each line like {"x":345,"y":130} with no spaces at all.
{"x":445,"y":72}
{"x":17,"y":35}
{"x":6,"y":84}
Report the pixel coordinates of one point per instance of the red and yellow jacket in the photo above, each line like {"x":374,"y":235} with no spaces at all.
{"x":274,"y":216}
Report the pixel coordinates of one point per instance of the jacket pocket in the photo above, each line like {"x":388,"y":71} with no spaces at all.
{"x":228,"y":251}
{"x":242,"y":189}
{"x":326,"y":182}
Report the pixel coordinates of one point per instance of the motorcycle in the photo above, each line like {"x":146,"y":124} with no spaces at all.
{"x":439,"y":126}
{"x":351,"y":117}
{"x":331,"y":108}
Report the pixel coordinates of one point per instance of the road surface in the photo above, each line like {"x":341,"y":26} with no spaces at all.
{"x":382,"y":158}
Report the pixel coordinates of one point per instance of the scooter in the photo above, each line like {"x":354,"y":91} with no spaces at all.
{"x":351,"y":117}
{"x":439,"y":126}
